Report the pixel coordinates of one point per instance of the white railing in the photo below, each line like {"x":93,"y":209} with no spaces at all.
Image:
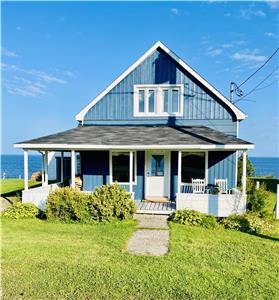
{"x":220,"y":205}
{"x":38,"y":195}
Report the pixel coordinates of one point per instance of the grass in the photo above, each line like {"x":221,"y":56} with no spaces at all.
{"x":43,"y":260}
{"x":11,"y":188}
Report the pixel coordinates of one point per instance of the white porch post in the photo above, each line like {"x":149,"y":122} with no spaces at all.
{"x":73,"y":168}
{"x":131,"y":172}
{"x":43,"y":168}
{"x":179,"y":172}
{"x":25,"y":169}
{"x":46,"y":168}
{"x":244,"y":171}
{"x":62,"y":167}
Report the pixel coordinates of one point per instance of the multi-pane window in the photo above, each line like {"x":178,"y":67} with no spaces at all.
{"x":121,"y":167}
{"x":158,"y":100}
{"x":193,"y":166}
{"x":157,"y":165}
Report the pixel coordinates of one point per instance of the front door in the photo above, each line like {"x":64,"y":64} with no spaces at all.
{"x":157,"y":174}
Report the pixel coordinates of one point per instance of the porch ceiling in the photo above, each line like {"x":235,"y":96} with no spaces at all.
{"x":137,"y":137}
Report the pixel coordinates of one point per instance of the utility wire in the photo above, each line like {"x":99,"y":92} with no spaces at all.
{"x":259,"y":67}
{"x":260,"y":83}
{"x":268,"y":85}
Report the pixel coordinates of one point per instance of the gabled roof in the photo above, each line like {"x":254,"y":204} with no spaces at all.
{"x":238,"y":113}
{"x":137,"y":137}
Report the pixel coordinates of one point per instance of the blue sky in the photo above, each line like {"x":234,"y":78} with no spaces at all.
{"x":57,"y":56}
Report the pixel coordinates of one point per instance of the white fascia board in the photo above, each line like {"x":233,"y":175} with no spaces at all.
{"x":239,"y":114}
{"x":56,"y":147}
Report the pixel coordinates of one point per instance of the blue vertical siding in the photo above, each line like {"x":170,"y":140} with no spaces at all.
{"x":139,"y":187}
{"x":94,"y":169}
{"x":159,"y":68}
{"x":222,"y":164}
{"x":174,"y":173}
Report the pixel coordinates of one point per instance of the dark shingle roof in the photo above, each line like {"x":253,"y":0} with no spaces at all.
{"x":139,"y":135}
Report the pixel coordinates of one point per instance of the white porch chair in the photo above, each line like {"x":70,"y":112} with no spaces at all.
{"x":222,"y":184}
{"x":198,"y":186}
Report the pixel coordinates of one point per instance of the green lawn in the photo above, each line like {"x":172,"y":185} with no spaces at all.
{"x":43,"y":260}
{"x":11,"y":188}
{"x":15,"y":185}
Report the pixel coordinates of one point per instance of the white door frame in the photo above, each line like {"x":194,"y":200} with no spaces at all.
{"x":167,"y":164}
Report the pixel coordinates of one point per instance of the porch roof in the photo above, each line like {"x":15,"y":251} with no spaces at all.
{"x":136,"y":137}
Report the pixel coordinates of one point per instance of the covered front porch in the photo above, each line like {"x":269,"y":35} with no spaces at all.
{"x":177,"y":166}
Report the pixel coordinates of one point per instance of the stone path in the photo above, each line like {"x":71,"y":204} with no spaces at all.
{"x":151,"y":236}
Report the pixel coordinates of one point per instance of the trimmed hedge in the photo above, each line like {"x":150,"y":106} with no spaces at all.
{"x":21,"y":211}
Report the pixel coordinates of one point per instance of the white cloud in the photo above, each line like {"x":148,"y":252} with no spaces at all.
{"x":7,"y":53}
{"x":28,"y":82}
{"x":175,"y":11}
{"x":249,"y":12}
{"x":270,"y":34}
{"x":248,"y":56}
{"x":214,"y":52}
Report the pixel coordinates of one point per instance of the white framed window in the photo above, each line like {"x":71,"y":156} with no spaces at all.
{"x":194,"y":165}
{"x":120,"y":167}
{"x":158,"y":100}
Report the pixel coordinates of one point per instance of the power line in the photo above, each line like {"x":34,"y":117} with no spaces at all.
{"x":259,"y":68}
{"x":260,"y":83}
{"x":268,"y":85}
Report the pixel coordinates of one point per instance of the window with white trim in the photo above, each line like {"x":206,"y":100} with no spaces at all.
{"x":121,"y":167}
{"x":158,"y":100}
{"x":193,"y":166}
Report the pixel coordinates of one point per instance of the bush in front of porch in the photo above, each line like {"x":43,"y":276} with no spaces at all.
{"x":106,"y":203}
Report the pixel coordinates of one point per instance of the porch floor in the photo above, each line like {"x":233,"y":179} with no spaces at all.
{"x":155,"y":208}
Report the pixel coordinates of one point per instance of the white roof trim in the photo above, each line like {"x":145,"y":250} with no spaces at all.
{"x":239,"y":114}
{"x":130,"y":147}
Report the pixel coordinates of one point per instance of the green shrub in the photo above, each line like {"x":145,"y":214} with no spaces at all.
{"x":111,"y":202}
{"x":249,"y":222}
{"x":67,"y":204}
{"x":21,"y":211}
{"x":209,"y":222}
{"x":256,"y":201}
{"x":186,"y":217}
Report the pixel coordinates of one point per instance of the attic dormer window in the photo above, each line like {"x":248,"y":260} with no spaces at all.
{"x":158,"y":100}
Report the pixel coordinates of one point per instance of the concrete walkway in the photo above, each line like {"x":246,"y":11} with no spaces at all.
{"x":151,"y":236}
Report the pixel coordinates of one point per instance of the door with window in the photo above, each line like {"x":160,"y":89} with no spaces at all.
{"x":157,"y":174}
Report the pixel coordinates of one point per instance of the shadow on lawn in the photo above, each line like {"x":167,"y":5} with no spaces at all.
{"x":267,"y":237}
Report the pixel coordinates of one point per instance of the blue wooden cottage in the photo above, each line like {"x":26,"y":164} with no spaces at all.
{"x":160,"y":130}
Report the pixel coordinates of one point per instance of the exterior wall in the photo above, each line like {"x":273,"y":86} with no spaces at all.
{"x":201,"y":107}
{"x":95,"y":171}
{"x":174,"y":174}
{"x":222,"y":164}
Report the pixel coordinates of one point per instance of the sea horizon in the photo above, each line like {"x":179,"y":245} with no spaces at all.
{"x":12,"y":165}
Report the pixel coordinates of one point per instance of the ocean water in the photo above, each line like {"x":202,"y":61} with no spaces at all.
{"x":266,"y":166}
{"x":12,"y":165}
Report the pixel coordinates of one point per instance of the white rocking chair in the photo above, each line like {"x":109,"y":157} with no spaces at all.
{"x":222,"y":184}
{"x":198,"y":186}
